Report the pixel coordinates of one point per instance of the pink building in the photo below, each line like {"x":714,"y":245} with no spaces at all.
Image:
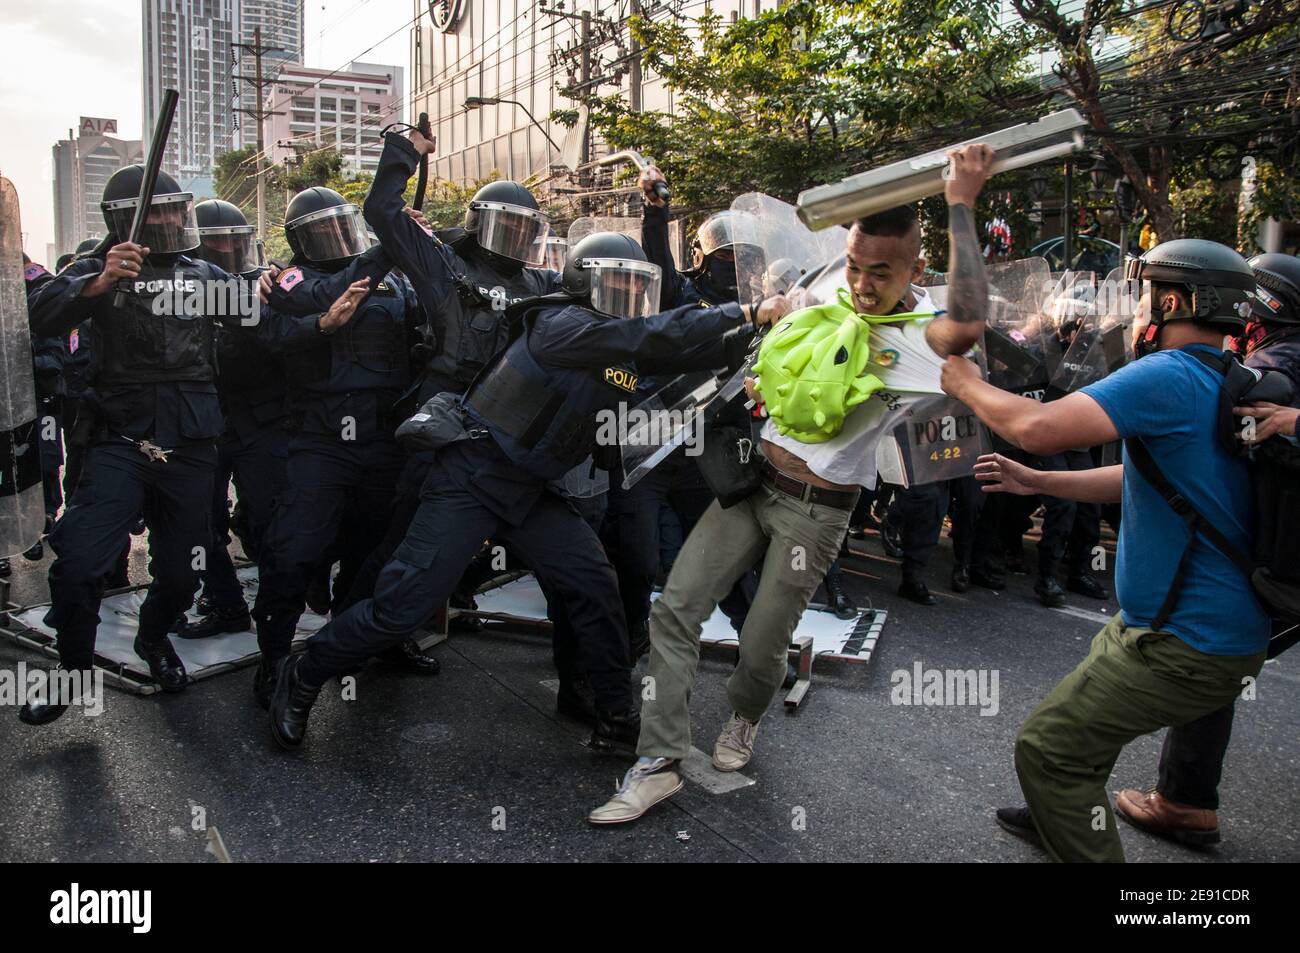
{"x":344,"y":109}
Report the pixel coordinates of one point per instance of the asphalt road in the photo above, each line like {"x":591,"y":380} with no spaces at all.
{"x":476,"y":765}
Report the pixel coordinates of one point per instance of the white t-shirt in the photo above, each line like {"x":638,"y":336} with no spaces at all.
{"x":910,"y":373}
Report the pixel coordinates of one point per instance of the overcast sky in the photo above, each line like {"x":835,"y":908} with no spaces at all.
{"x":63,"y":59}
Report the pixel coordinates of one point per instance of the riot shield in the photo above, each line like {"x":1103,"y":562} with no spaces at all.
{"x":580,"y":228}
{"x":939,"y":438}
{"x":777,"y":249}
{"x":22,"y":503}
{"x":1014,"y":348}
{"x":1103,"y":341}
{"x":672,"y":417}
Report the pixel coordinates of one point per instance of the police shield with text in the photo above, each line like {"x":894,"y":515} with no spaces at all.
{"x":155,"y":418}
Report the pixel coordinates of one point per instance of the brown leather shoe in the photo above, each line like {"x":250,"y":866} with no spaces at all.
{"x":1154,"y":813}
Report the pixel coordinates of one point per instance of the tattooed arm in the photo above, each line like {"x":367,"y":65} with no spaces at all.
{"x":960,"y":327}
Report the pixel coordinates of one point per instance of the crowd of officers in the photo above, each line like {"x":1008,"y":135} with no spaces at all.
{"x":293,"y":392}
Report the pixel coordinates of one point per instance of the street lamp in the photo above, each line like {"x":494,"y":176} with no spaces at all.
{"x":474,"y":102}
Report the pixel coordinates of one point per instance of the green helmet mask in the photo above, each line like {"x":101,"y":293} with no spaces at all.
{"x":811,"y":367}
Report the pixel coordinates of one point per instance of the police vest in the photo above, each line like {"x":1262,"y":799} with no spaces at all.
{"x":545,"y":419}
{"x":163,"y":331}
{"x":368,"y":353}
{"x":473,"y":327}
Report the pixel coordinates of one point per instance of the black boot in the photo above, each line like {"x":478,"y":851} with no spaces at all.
{"x":318,"y":592}
{"x":264,"y":682}
{"x":960,"y":578}
{"x":1049,"y":592}
{"x":840,"y":603}
{"x":1085,"y":585}
{"x":891,"y":539}
{"x":5,"y":570}
{"x":205,"y":605}
{"x":217,"y":622}
{"x":165,"y":665}
{"x":576,"y":700}
{"x":914,"y":588}
{"x":616,"y":732}
{"x":291,"y":703}
{"x":42,"y":711}
{"x":987,"y":578}
{"x":409,"y":656}
{"x":36,"y":553}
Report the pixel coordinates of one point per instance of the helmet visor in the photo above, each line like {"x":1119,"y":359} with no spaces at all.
{"x":232,"y":249}
{"x":557,"y":250}
{"x":512,"y":231}
{"x":330,"y":234}
{"x":169,"y":228}
{"x":726,"y":229}
{"x":623,"y":288}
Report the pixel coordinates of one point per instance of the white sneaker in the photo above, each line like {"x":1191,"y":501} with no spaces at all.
{"x":641,"y":790}
{"x":735,"y":745}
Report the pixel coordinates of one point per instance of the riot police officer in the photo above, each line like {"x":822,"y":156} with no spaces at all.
{"x":527,"y":421}
{"x":346,"y":371}
{"x":156,"y":416}
{"x":464,"y":278}
{"x":254,"y":445}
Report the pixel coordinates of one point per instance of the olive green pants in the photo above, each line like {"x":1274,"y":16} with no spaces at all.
{"x":1133,"y":682}
{"x":797,"y":542}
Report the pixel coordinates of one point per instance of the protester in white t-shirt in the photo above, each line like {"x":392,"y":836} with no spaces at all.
{"x":794,"y":522}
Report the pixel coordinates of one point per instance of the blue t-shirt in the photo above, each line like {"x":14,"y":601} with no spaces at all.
{"x":1170,"y":399}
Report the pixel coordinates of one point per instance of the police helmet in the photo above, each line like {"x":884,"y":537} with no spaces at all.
{"x":505,"y":220}
{"x":225,"y":237}
{"x":322,"y":226}
{"x":170,"y":226}
{"x":612,"y":271}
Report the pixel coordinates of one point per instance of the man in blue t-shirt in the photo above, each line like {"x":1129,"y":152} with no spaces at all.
{"x":1137,"y":677}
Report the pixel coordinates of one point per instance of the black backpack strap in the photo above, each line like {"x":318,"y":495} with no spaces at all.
{"x":1151,"y":472}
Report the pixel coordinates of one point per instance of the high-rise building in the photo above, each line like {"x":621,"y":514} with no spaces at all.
{"x":189,"y":46}
{"x":281,"y":23}
{"x":343,"y":108}
{"x":514,"y":54}
{"x":82,"y":166}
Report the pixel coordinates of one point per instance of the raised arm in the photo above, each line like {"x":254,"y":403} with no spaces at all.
{"x":960,"y":327}
{"x":422,"y":257}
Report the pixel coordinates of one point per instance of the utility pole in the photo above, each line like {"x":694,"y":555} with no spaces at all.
{"x":634,"y":64}
{"x":259,"y":115}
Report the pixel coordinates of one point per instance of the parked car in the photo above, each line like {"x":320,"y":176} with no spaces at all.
{"x":1089,"y":254}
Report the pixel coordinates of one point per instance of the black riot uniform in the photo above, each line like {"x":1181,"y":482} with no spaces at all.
{"x":344,"y":399}
{"x":529,"y":420}
{"x":253,"y":447}
{"x":156,"y":417}
{"x":464,"y":288}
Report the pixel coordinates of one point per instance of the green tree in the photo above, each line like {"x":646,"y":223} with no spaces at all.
{"x":1172,"y":112}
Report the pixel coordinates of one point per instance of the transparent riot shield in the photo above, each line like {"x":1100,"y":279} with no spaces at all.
{"x":672,"y":417}
{"x":580,"y":228}
{"x":22,"y":503}
{"x":1102,"y":343}
{"x":1014,"y":349}
{"x":775,"y":250}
